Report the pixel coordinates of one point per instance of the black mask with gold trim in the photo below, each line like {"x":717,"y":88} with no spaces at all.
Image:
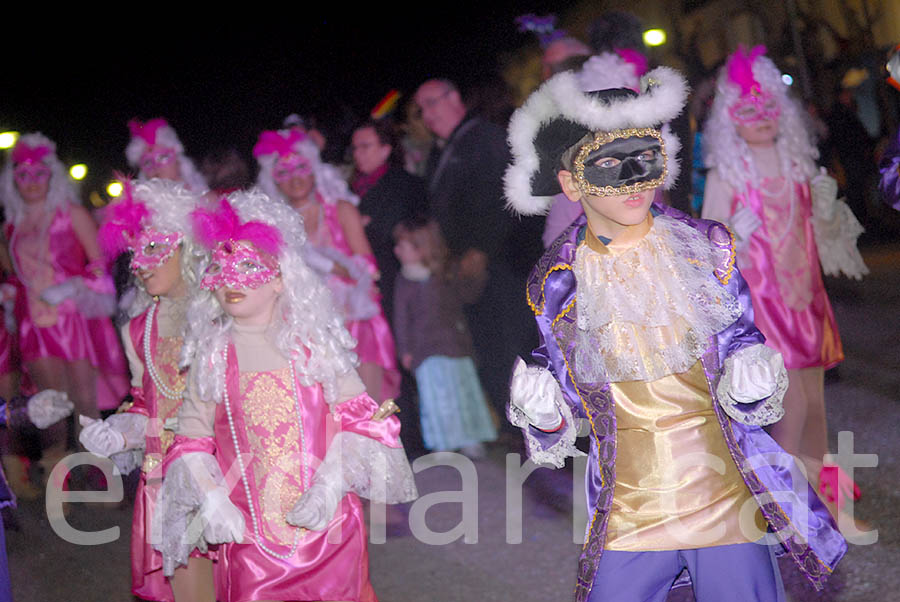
{"x":621,"y":162}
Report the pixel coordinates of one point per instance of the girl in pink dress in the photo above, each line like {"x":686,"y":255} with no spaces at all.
{"x":64,"y":295}
{"x":290,"y":169}
{"x":156,"y":152}
{"x":275,"y":404}
{"x":764,"y":184}
{"x":151,"y":222}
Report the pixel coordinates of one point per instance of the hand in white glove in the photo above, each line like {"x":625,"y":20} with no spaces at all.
{"x":824,"y":191}
{"x":744,"y":223}
{"x":536,"y":393}
{"x":222,"y":520}
{"x":316,"y":507}
{"x":48,"y":407}
{"x":56,"y":294}
{"x":753,"y":379}
{"x":99,"y":438}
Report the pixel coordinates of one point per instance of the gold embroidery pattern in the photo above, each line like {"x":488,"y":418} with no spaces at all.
{"x":601,"y":138}
{"x":273,"y":434}
{"x":168,"y":350}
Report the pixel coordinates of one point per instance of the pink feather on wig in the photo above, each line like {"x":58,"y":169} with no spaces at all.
{"x":122,"y":222}
{"x":147,"y":131}
{"x":22,"y":153}
{"x":272,"y":142}
{"x":740,"y":68}
{"x":212,"y":227}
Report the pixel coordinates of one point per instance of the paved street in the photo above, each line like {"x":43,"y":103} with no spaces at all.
{"x":862,"y":397}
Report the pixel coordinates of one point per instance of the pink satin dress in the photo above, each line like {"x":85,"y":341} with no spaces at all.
{"x":43,"y":257}
{"x":790,"y":305}
{"x":375,"y":342}
{"x":280,"y":459}
{"x":147,"y":579}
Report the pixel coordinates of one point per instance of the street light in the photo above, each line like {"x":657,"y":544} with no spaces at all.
{"x":78,"y":172}
{"x":655,"y":37}
{"x":8,"y":139}
{"x":114,"y":188}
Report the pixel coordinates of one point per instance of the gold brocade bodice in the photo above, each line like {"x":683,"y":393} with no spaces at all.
{"x":676,"y":484}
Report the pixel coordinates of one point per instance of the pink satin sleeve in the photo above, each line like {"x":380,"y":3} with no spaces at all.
{"x":187,"y":445}
{"x":355,"y":416}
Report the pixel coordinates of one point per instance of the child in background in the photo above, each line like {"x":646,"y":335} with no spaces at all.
{"x":434,"y":342}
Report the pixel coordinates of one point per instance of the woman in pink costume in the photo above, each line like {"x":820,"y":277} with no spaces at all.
{"x":156,"y":152}
{"x":151,"y":223}
{"x":275,"y":404}
{"x":764,"y":184}
{"x":290,"y":169}
{"x":64,"y":295}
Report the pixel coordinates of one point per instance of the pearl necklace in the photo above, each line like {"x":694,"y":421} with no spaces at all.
{"x":164,"y":389}
{"x":240,"y":458}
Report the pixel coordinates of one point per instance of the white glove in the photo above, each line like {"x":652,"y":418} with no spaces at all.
{"x":56,"y":294}
{"x":48,"y":407}
{"x":744,"y":223}
{"x":824,"y":191}
{"x":222,"y":521}
{"x":316,"y":507}
{"x":753,"y":379}
{"x":99,"y":438}
{"x":752,"y":385}
{"x":536,"y":393}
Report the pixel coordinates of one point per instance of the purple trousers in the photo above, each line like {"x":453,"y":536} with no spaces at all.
{"x":744,"y":572}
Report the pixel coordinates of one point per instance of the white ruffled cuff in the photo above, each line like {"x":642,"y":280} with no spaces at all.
{"x":836,"y":237}
{"x":133,"y":426}
{"x":752,"y":385}
{"x":128,"y":460}
{"x":369,"y":469}
{"x":548,"y":447}
{"x":187,"y":482}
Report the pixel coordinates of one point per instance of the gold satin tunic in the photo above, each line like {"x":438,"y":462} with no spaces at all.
{"x":677,"y":486}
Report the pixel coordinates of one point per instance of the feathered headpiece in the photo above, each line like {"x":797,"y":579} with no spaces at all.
{"x":281,"y":142}
{"x":23,"y":153}
{"x":740,"y":69}
{"x":123,"y":221}
{"x":214,"y":226}
{"x":147,"y":131}
{"x":560,"y":113}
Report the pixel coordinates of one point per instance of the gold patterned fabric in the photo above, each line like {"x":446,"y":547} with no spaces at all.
{"x":274,"y":436}
{"x":677,"y":486}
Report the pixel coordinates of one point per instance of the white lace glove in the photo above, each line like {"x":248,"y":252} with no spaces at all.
{"x":824,"y":191}
{"x":56,"y":294}
{"x":536,"y":393}
{"x":743,"y":223}
{"x":222,"y":520}
{"x":48,"y":407}
{"x":316,"y":507}
{"x":99,"y":438}
{"x":752,"y":374}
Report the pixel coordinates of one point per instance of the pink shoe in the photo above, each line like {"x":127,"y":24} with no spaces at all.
{"x":836,"y":486}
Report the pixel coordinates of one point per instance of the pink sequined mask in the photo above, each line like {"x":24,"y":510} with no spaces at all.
{"x":238,"y":265}
{"x":289,"y":167}
{"x":156,"y":157}
{"x":153,"y":248}
{"x":26,"y":173}
{"x":755,"y":106}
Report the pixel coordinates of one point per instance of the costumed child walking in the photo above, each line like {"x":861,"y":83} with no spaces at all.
{"x":150,"y":222}
{"x":433,"y":340}
{"x":647,"y":335}
{"x":275,"y":403}
{"x":788,"y":225}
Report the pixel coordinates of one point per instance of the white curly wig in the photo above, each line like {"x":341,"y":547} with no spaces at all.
{"x":166,"y":137}
{"x":726,"y":151}
{"x":306,"y":318}
{"x":170,"y":205}
{"x":330,"y":183}
{"x":62,"y":190}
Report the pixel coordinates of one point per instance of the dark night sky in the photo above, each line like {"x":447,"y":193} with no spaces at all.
{"x":221,"y":81}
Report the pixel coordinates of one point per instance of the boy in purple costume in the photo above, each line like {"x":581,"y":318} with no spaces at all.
{"x":647,"y":335}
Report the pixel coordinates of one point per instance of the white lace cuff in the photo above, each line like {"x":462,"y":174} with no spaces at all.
{"x":836,"y":242}
{"x":175,"y":531}
{"x":368,"y":469}
{"x":752,"y":385}
{"x":128,"y":460}
{"x":133,"y":426}
{"x":548,"y":448}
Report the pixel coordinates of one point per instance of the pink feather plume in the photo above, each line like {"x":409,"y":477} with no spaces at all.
{"x":147,"y":131}
{"x":214,"y":226}
{"x":740,"y":68}
{"x":635,"y":58}
{"x":122,"y":222}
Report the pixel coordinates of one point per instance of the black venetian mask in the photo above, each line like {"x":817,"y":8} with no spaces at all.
{"x":621,"y":162}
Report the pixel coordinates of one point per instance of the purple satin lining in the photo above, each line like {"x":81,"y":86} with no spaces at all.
{"x":890,"y":173}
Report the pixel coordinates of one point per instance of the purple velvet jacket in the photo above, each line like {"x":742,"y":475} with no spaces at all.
{"x":797,"y":519}
{"x":890,"y":173}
